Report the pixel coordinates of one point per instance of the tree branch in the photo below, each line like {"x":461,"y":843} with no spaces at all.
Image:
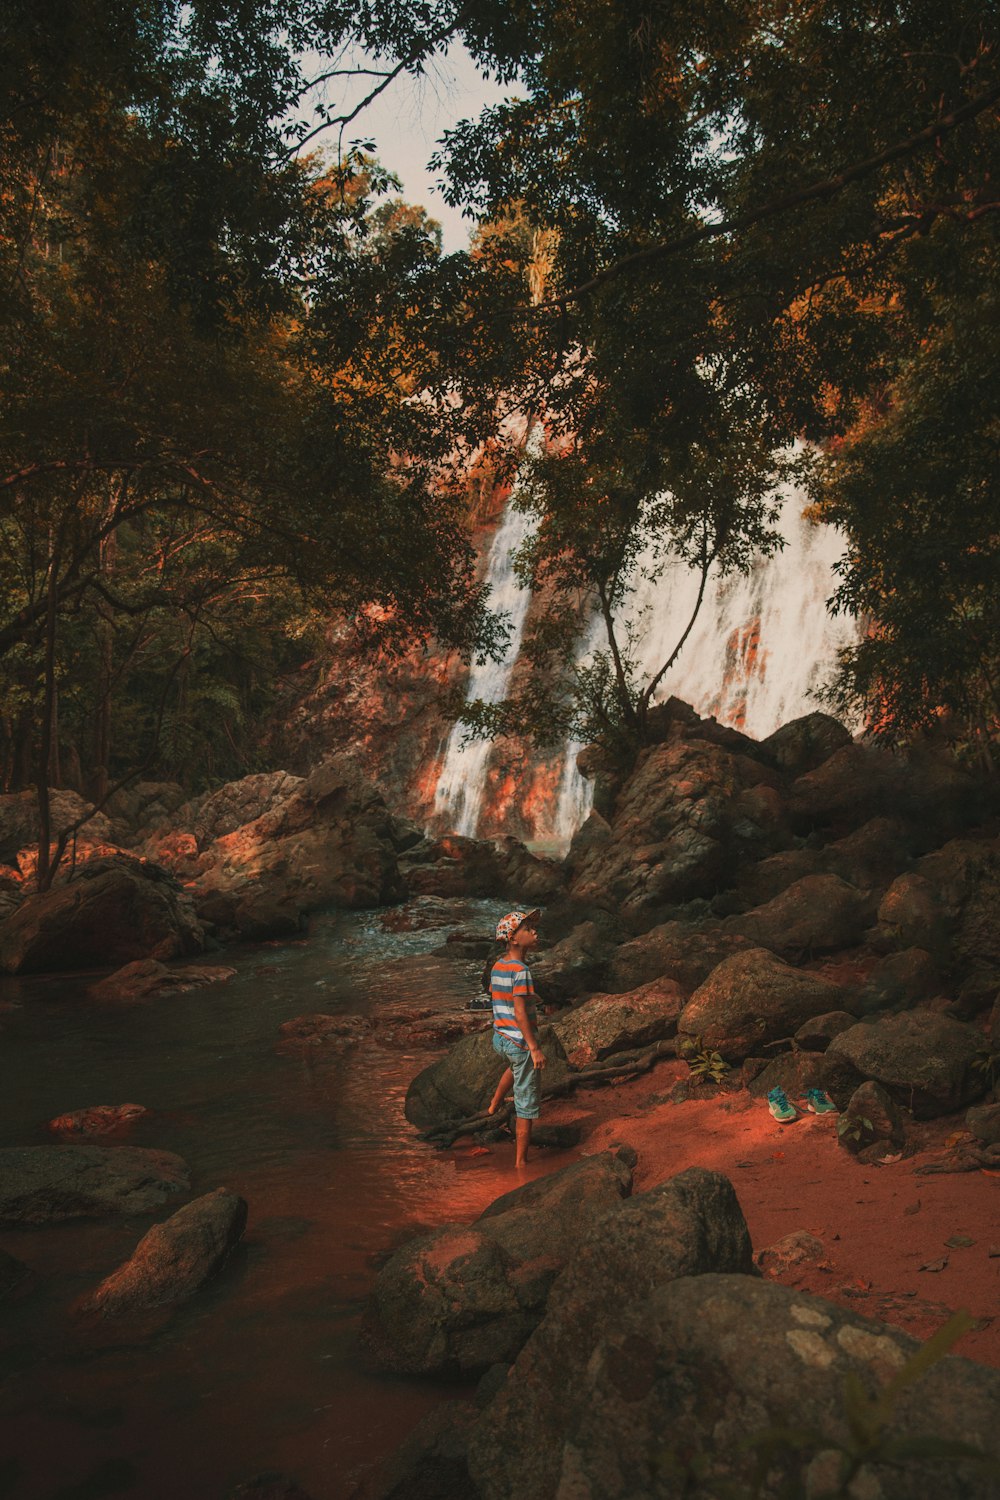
{"x":827,"y":187}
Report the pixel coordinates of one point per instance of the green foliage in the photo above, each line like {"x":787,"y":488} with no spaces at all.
{"x":750,"y":245}
{"x":987,"y":1065}
{"x":854,"y":1128}
{"x":704,"y":1062}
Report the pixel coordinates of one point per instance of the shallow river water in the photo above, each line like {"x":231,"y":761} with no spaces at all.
{"x":264,"y":1369}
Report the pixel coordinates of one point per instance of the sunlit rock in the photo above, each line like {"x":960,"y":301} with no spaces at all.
{"x":751,"y":999}
{"x":97,"y":1120}
{"x":175,"y":1259}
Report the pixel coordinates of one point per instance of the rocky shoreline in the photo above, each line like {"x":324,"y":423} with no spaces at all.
{"x":806,"y":912}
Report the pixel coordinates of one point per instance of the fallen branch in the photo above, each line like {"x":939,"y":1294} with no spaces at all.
{"x":964,"y":1159}
{"x":622,"y":1066}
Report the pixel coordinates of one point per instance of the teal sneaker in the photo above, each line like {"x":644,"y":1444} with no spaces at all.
{"x":819,"y":1103}
{"x":781,"y":1109}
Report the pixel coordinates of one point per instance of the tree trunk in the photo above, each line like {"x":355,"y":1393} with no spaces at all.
{"x":45,"y":869}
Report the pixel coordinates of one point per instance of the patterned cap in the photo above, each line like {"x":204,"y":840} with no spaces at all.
{"x":508,"y":925}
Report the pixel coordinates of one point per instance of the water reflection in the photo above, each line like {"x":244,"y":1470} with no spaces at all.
{"x":263,"y":1370}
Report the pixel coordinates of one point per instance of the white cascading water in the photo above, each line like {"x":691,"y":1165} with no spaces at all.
{"x":462,"y":782}
{"x":762,"y":644}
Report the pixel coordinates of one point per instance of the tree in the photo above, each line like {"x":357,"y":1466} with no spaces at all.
{"x":182,"y":422}
{"x":729,"y":193}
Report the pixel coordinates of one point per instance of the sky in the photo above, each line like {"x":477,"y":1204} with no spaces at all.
{"x":407,"y":121}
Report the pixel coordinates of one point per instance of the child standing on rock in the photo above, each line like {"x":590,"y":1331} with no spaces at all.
{"x":514,"y":1017}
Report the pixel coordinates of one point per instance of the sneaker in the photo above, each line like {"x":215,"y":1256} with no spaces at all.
{"x":819,"y":1103}
{"x":777,"y":1103}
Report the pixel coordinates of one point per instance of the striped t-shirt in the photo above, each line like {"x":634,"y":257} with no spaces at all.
{"x":511,"y":977}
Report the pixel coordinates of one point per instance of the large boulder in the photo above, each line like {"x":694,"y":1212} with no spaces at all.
{"x":899,"y":981}
{"x":817,"y":914}
{"x":803,"y":744}
{"x":751,"y":999}
{"x":19,"y":826}
{"x":46,"y":1184}
{"x":606,"y":1024}
{"x":461,"y":1083}
{"x":330,"y":842}
{"x":466,"y":1297}
{"x":174,"y":1259}
{"x":115,"y":910}
{"x":677,"y":832}
{"x":679,"y":1394}
{"x":859,"y":782}
{"x":685,"y":1227}
{"x":925,"y":1060}
{"x":456,"y":866}
{"x":674,"y":950}
{"x":911,"y":915}
{"x":576,"y":965}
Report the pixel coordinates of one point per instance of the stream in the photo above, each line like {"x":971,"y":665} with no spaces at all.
{"x":264,"y":1369}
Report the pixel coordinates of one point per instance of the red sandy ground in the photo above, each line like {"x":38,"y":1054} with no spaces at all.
{"x":879,"y":1224}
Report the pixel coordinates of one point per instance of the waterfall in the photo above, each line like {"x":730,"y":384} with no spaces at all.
{"x":761,"y":645}
{"x":462,"y":781}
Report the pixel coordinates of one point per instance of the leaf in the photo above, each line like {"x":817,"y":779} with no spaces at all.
{"x":926,"y":1445}
{"x":928,"y":1354}
{"x":934,"y":1265}
{"x":959,"y":1242}
{"x":859,"y":1411}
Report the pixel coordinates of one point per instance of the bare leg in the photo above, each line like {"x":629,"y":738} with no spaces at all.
{"x":522,"y":1138}
{"x":506,"y":1083}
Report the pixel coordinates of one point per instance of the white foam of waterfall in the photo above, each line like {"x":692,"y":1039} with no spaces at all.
{"x":761,"y":645}
{"x":458,"y":798}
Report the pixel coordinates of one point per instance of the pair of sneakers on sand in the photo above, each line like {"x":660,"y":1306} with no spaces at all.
{"x":817,"y":1103}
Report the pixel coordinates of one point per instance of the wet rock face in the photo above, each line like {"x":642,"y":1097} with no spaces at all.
{"x":115,"y":910}
{"x":175,"y":1259}
{"x":47,"y":1184}
{"x":751,"y":999}
{"x":674,"y":1378}
{"x":685,"y":1227}
{"x":467,"y":1297}
{"x":923,"y":1059}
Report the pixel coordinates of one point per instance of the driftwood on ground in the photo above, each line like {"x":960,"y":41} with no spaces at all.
{"x":964,"y":1158}
{"x":618,"y":1068}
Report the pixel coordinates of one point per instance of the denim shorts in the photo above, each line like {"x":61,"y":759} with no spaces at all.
{"x":527,"y":1083}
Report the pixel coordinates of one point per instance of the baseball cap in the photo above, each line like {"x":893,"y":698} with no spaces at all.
{"x":508,"y":925}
